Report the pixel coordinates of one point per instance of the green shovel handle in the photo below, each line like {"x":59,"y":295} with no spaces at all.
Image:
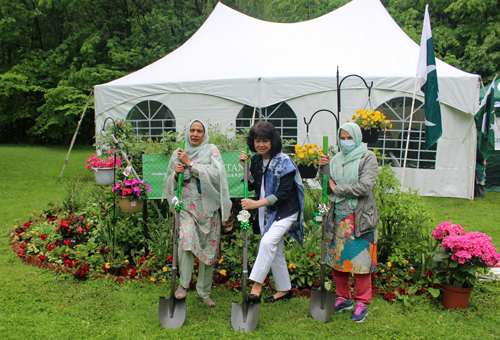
{"x":325,"y":176}
{"x":179,"y":178}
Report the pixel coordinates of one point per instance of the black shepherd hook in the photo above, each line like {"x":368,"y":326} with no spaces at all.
{"x":340,"y":84}
{"x":314,"y":114}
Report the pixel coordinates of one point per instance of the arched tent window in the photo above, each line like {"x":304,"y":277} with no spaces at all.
{"x":151,"y":119}
{"x":280,"y":115}
{"x":393,"y":142}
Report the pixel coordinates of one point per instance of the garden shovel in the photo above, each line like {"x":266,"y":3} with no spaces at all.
{"x":172,"y":311}
{"x":322,"y":302}
{"x":245,"y":315}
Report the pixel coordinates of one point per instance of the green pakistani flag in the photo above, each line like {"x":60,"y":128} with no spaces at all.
{"x":485,"y":121}
{"x":426,"y":70}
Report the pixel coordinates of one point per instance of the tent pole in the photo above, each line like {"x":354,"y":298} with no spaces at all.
{"x":409,"y":130}
{"x":76,"y":132}
{"x":255,"y":105}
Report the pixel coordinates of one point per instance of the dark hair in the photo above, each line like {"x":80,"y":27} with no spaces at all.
{"x":265,"y":130}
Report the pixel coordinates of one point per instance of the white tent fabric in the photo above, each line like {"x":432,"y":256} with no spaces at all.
{"x":237,"y":60}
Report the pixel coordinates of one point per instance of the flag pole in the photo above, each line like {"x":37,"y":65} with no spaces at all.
{"x":74,"y":135}
{"x":409,"y":130}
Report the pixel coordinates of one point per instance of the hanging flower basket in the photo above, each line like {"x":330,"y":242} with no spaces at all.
{"x":370,"y":135}
{"x":307,"y":171}
{"x":130,"y":206}
{"x":104,"y":176}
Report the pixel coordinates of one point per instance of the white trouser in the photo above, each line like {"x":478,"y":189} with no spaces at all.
{"x":271,"y":255}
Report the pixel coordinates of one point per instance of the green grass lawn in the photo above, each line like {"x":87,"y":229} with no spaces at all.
{"x":39,"y":304}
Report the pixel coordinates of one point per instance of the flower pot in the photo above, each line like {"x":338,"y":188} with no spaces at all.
{"x":307,"y":171}
{"x":130,"y":206}
{"x":456,"y":297}
{"x":370,"y":135}
{"x":104,"y":176}
{"x":124,"y":271}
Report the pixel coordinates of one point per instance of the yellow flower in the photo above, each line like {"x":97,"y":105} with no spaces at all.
{"x":391,"y":126}
{"x":33,"y":232}
{"x":382,"y":271}
{"x":302,"y":155}
{"x":353,"y":117}
{"x":314,"y":145}
{"x":320,"y":151}
{"x":107,"y":266}
{"x":152,"y":279}
{"x":164,"y":269}
{"x":364,"y":122}
{"x":306,"y":146}
{"x":221,"y":259}
{"x":66,"y":249}
{"x":33,"y":245}
{"x":15,"y":227}
{"x":364,"y":116}
{"x":126,"y":261}
{"x":389,"y":264}
{"x":291,"y":266}
{"x":223,"y":272}
{"x":359,"y":112}
{"x":297,"y":146}
{"x":164,"y":280}
{"x":347,"y":120}
{"x":311,"y":151}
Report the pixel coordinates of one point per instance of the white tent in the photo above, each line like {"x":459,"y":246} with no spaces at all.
{"x":235,"y":60}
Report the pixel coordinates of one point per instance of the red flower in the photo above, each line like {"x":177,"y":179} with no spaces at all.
{"x":42,"y":257}
{"x":133,"y":272}
{"x":20,"y":253}
{"x":23,"y":245}
{"x":88,"y":227}
{"x":412,"y":271}
{"x":144,"y":274}
{"x":80,"y":230}
{"x":428,"y":273}
{"x":311,"y":255}
{"x":389,"y":296}
{"x":67,"y":242}
{"x":43,"y":236}
{"x":266,"y":282}
{"x":143,"y":270}
{"x":403,"y":291}
{"x":107,"y":249}
{"x":197,"y":262}
{"x":170,"y":258}
{"x":27,"y":224}
{"x":80,"y":218}
{"x":104,"y":268}
{"x":389,"y":278}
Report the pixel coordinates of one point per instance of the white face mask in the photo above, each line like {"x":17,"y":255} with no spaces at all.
{"x":347,"y":145}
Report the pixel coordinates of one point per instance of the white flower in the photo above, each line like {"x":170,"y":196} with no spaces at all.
{"x":243,"y":216}
{"x":175,"y":201}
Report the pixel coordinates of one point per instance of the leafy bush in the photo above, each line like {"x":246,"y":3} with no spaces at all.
{"x":404,"y":229}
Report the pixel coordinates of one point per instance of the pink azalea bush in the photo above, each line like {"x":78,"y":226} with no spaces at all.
{"x":462,"y":254}
{"x":132,"y":189}
{"x":96,"y":162}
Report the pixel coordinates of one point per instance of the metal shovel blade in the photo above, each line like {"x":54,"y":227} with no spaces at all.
{"x":322,"y":304}
{"x":240,"y":321}
{"x":172,"y":312}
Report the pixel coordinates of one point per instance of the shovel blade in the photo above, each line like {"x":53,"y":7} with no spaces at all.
{"x":315,"y":303}
{"x":165,"y":308}
{"x":241,"y":322}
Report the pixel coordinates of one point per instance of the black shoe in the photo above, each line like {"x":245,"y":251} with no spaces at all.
{"x":285,"y":297}
{"x":254,"y":298}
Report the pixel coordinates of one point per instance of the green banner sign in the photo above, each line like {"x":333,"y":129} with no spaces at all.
{"x":154,"y":169}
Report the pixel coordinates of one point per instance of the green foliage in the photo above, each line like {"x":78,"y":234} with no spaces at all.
{"x":404,"y":229}
{"x":303,"y":263}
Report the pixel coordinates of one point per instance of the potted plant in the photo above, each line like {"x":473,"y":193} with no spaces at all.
{"x":307,"y":157}
{"x":133,"y":192}
{"x":104,"y":170}
{"x":371,"y":123}
{"x":458,"y":261}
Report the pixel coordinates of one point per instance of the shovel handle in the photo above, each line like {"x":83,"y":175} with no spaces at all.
{"x":179,"y":177}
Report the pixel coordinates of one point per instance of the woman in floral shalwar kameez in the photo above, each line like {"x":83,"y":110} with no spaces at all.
{"x":204,"y":192}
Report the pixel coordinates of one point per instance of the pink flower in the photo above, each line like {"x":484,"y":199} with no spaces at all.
{"x":192,"y":207}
